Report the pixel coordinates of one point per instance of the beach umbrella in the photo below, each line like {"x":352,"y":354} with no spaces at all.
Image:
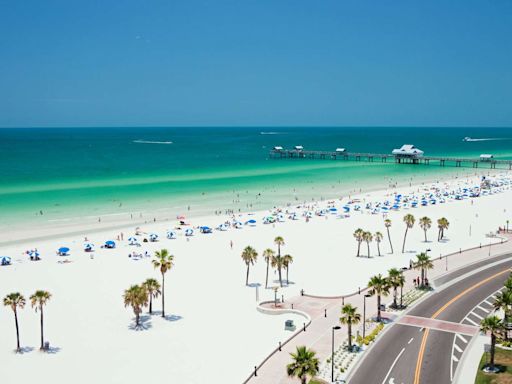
{"x":153,"y":236}
{"x":251,"y":222}
{"x":333,"y":210}
{"x":110,"y":244}
{"x":180,"y":217}
{"x":5,"y":260}
{"x":171,"y":234}
{"x":63,"y":251}
{"x":237,"y":224}
{"x":132,"y":240}
{"x":222,"y":227}
{"x":189,"y":232}
{"x":33,"y":254}
{"x":205,"y":229}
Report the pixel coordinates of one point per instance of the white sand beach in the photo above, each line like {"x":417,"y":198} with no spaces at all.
{"x":212,"y":330}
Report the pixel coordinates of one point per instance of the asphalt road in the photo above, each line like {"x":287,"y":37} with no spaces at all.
{"x":412,"y":354}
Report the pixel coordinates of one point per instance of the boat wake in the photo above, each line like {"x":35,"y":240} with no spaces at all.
{"x":272,"y":133}
{"x":151,"y":142}
{"x":487,"y":139}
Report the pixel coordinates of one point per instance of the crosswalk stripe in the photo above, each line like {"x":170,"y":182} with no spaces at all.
{"x":462,"y":338}
{"x":459,"y":349}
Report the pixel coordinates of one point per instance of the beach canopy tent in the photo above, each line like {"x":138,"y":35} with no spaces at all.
{"x":133,"y":241}
{"x":110,"y":244}
{"x":237,"y":224}
{"x":333,"y":210}
{"x":153,"y":237}
{"x":171,"y":234}
{"x":88,"y":247}
{"x":5,"y":260}
{"x":34,"y":255}
{"x":407,"y":150}
{"x":189,"y":232}
{"x":250,"y":222}
{"x":340,"y":150}
{"x":269,"y":220}
{"x":278,"y":148}
{"x":205,"y":229}
{"x":299,"y":148}
{"x":63,"y":251}
{"x":222,"y":227}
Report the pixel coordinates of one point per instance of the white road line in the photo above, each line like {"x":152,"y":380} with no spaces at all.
{"x":476,"y":315}
{"x":410,"y":341}
{"x":470,"y":321}
{"x":483,"y":309}
{"x":455,"y":359}
{"x":393,"y":365}
{"x":459,"y":349}
{"x":488,"y":302}
{"x":421,"y":329}
{"x":462,"y":338}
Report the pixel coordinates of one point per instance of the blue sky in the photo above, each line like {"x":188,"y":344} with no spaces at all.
{"x":259,"y":62}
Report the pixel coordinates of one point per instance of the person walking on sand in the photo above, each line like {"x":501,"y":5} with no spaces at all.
{"x":231,"y":244}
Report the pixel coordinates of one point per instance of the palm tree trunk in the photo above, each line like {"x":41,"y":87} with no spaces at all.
{"x":287,"y":281}
{"x":405,"y":236}
{"x":493,"y":347}
{"x":358,"y":247}
{"x":350,"y":336}
{"x":401,"y":295}
{"x":137,"y":319}
{"x":389,"y":238}
{"x":150,"y":304}
{"x":425,"y":231}
{"x":42,"y":332}
{"x":378,"y":248}
{"x":394,"y":296}
{"x":304,"y":379}
{"x":280,"y":278}
{"x":17,"y":331}
{"x":266,"y":278}
{"x":163,"y":294}
{"x":422,"y":277}
{"x":378,"y":308}
{"x":247,"y":276}
{"x":368,"y":245}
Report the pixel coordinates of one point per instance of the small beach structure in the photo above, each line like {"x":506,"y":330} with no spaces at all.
{"x":5,"y":260}
{"x":340,"y":150}
{"x":278,"y":148}
{"x":299,"y":148}
{"x":63,"y":251}
{"x":407,"y":153}
{"x":486,"y":157}
{"x":110,"y":244}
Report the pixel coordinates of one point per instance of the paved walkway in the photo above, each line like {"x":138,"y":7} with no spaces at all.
{"x":325,"y":313}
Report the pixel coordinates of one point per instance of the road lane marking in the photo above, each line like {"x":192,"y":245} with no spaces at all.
{"x":459,"y":349}
{"x":488,"y":302}
{"x":410,"y":341}
{"x":462,"y":338}
{"x":471,"y":321}
{"x":393,"y":366}
{"x":455,"y":359}
{"x":476,"y":315}
{"x":483,"y":309}
{"x":419,"y":362}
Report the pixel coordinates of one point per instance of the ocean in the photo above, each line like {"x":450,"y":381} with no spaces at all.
{"x":57,"y":173}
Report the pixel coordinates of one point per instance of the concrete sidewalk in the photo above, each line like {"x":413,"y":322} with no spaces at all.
{"x":325,"y":312}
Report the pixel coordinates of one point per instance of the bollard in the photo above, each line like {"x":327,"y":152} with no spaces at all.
{"x":255,"y":371}
{"x":282,"y":298}
{"x":304,"y":327}
{"x":279,"y":346}
{"x":302,"y":292}
{"x":342,"y":300}
{"x":359,"y":290}
{"x":325,"y":312}
{"x":292,"y":305}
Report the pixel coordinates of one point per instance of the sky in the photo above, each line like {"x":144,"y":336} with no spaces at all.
{"x":255,"y":63}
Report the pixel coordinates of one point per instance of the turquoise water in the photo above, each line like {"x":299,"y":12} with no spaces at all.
{"x":81,"y":171}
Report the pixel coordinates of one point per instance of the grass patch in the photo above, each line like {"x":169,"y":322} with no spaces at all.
{"x":503,"y":360}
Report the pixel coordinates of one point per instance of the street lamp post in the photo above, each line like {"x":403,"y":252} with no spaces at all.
{"x":336,"y":327}
{"x":364,"y":313}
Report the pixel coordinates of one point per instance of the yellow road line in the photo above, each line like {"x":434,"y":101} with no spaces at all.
{"x":419,"y":362}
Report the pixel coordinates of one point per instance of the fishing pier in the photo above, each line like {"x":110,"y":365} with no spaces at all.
{"x":407,"y":154}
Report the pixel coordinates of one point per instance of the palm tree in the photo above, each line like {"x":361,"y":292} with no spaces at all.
{"x":387,"y":224}
{"x":425,"y":224}
{"x":378,"y":286}
{"x":267,"y":255}
{"x":287,"y":260}
{"x":423,"y":263}
{"x":368,"y":237}
{"x":359,"y":235}
{"x":409,"y":223}
{"x":378,"y":238}
{"x":152,"y":287}
{"x":165,"y":262}
{"x":442,"y":224}
{"x":493,"y":325}
{"x":137,"y":297}
{"x":396,"y":279}
{"x":249,"y":256}
{"x":279,"y":241}
{"x":349,"y":316}
{"x":278,"y":262}
{"x":503,"y":301}
{"x":508,"y":282}
{"x":15,"y":300}
{"x":304,"y":364}
{"x":39,"y":300}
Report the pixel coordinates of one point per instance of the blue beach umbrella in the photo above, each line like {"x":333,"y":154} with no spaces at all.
{"x":33,"y":253}
{"x":189,"y":232}
{"x":132,"y":240}
{"x":63,"y":251}
{"x":153,"y":236}
{"x":5,"y":260}
{"x":171,"y":234}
